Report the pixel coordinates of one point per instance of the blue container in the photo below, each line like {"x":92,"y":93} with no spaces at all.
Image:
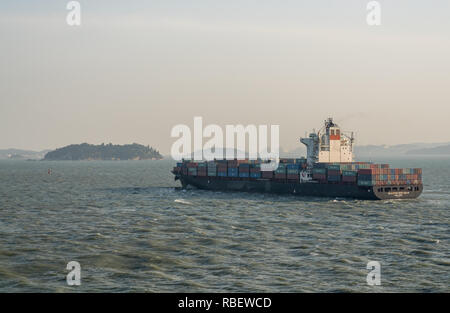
{"x":222,"y":174}
{"x":334,"y":178}
{"x":232,"y":172}
{"x":245,"y":174}
{"x":255,"y":175}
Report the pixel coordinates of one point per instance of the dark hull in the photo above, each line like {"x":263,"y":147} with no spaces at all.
{"x":302,"y":189}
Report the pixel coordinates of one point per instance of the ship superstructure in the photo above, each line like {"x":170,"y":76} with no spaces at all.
{"x":330,"y":145}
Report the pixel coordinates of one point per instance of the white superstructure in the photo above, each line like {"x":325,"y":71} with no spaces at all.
{"x":330,"y":144}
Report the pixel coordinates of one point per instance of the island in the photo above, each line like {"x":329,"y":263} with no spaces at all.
{"x":87,"y":151}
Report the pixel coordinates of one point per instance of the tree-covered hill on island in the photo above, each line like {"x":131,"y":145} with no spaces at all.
{"x":86,"y":151}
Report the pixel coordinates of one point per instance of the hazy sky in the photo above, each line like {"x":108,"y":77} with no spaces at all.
{"x":134,"y":69}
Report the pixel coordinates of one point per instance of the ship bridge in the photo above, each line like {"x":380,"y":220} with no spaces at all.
{"x":329,"y":144}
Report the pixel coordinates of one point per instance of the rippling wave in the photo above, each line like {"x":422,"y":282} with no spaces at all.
{"x":131,"y":229}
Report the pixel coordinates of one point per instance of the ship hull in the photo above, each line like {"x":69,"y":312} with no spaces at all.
{"x":313,"y":189}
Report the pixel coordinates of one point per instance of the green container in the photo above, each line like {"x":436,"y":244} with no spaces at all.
{"x":335,"y":167}
{"x":366,"y":183}
{"x":319,"y":170}
{"x":192,"y":171}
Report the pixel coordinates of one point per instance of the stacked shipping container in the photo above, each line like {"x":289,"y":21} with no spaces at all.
{"x":389,"y":176}
{"x":361,"y":173}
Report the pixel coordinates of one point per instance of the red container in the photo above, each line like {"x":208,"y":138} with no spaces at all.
{"x":318,"y":176}
{"x":334,"y":172}
{"x":349,"y":179}
{"x":366,"y":171}
{"x":293,"y":176}
{"x":280,"y":176}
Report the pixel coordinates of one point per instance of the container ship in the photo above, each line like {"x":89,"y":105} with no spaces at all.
{"x":328,"y":170}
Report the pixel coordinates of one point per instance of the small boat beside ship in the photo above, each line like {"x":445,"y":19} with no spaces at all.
{"x":327,"y":171}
